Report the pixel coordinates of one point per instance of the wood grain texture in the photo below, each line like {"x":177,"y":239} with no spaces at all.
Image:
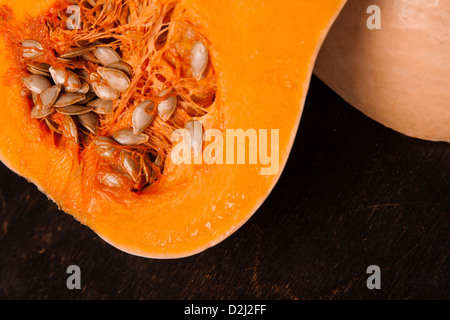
{"x":353,"y":194}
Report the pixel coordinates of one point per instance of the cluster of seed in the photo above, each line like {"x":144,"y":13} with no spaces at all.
{"x":81,"y":95}
{"x":84,"y":86}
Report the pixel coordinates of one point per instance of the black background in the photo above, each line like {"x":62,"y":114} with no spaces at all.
{"x":353,"y":194}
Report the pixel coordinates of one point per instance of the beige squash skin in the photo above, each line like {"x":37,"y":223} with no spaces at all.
{"x":398,"y":75}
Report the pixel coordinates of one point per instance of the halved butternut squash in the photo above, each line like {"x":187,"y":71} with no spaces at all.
{"x":252,"y":58}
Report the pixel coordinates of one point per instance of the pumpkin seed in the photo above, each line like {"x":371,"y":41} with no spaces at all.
{"x":103,"y":141}
{"x":83,"y":74}
{"x":32,"y":44}
{"x":167,"y":108}
{"x":74,"y":110}
{"x":68,"y":99}
{"x":199,"y":60}
{"x":34,"y":96}
{"x":52,"y":125}
{"x":101,"y":106}
{"x":64,"y":60}
{"x":150,"y":174}
{"x":195,"y":130}
{"x":110,"y":180}
{"x":159,"y":162}
{"x":114,"y":180}
{"x":58,"y":75}
{"x":85,"y":87}
{"x":65,"y":78}
{"x":49,"y":96}
{"x":106,"y":55}
{"x":76,"y":52}
{"x":89,"y":121}
{"x":91,"y":57}
{"x":32,"y":49}
{"x":128,"y":138}
{"x":116,"y":79}
{"x":105,"y":146}
{"x":39,"y":69}
{"x":37,"y":112}
{"x":122,"y":66}
{"x":130,"y":164}
{"x":73,"y":83}
{"x":105,"y":92}
{"x":69,"y":129}
{"x":36,"y":83}
{"x":143,"y":116}
{"x":89,"y":96}
{"x":91,"y":88}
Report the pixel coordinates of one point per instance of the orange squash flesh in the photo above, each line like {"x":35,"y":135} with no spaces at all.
{"x":263,"y":53}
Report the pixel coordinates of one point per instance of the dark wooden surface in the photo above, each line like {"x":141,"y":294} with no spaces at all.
{"x":353,"y":194}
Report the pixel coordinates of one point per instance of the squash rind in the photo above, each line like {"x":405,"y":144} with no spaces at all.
{"x":398,"y":75}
